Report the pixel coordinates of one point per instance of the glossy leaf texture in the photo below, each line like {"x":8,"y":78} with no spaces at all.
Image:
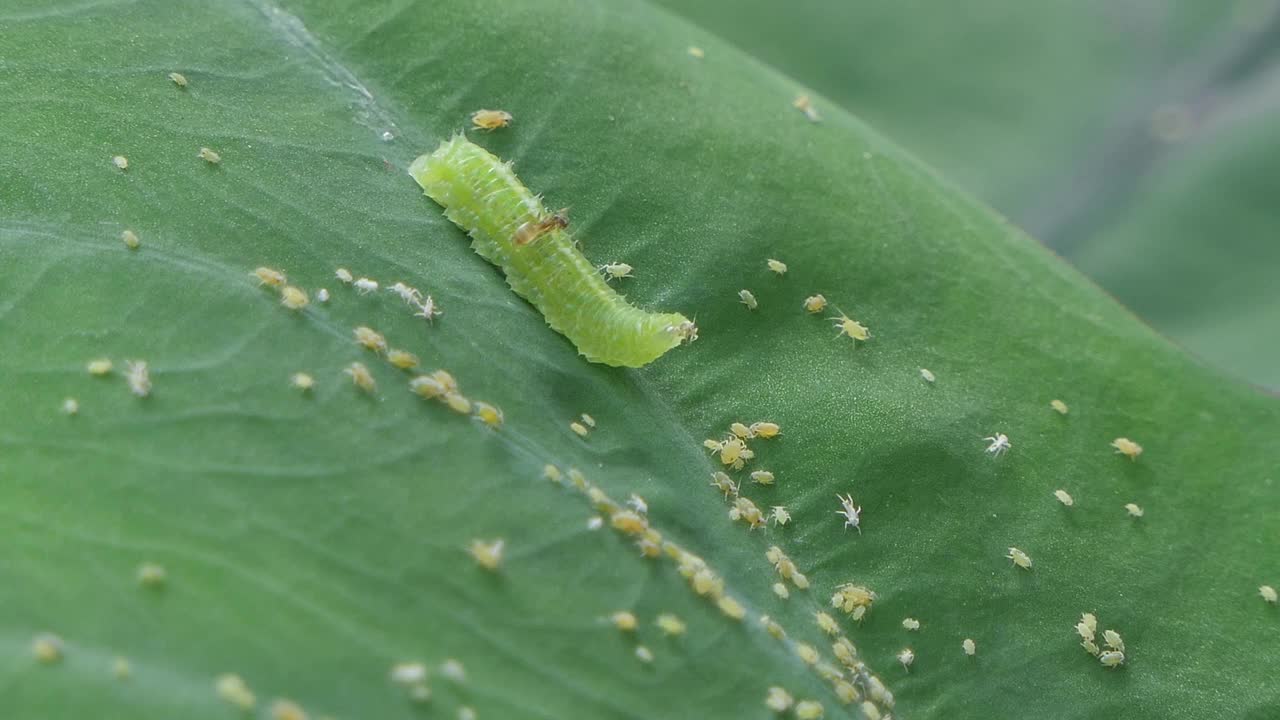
{"x":314,"y":540}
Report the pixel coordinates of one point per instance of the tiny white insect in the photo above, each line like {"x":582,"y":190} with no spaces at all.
{"x":805,"y":105}
{"x":852,"y":513}
{"x":344,"y":276}
{"x":209,"y":156}
{"x":408,"y":673}
{"x":616,"y":270}
{"x":364,"y":286}
{"x":1113,"y":640}
{"x":1133,"y":510}
{"x":781,"y":590}
{"x":408,"y":294}
{"x":1112,"y":659}
{"x":638,"y":504}
{"x":1059,"y":406}
{"x":427,"y":309}
{"x":70,"y":406}
{"x":322,"y":295}
{"x":999,"y":444}
{"x":120,"y":162}
{"x":780,"y":515}
{"x":906,"y":657}
{"x":130,"y":239}
{"x":970,"y":647}
{"x":777,"y":266}
{"x":910,"y":623}
{"x":778,"y":700}
{"x":927,"y":375}
{"x":748,"y":299}
{"x":1268,"y":594}
{"x":595,"y":522}
{"x":138,"y":375}
{"x":1064,"y":497}
{"x":178,"y":79}
{"x":1019,"y":558}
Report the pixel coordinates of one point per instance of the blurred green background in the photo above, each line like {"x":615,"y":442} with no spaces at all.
{"x":1137,"y":138}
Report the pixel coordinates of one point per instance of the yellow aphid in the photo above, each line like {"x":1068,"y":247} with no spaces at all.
{"x":552,"y":473}
{"x":629,"y":522}
{"x":121,"y":668}
{"x":616,"y":270}
{"x":777,"y":266}
{"x":1127,"y":447}
{"x":773,"y":628}
{"x":850,"y":327}
{"x":724,"y":484}
{"x":578,"y":480}
{"x":402,"y":359}
{"x":906,"y":657}
{"x":764,"y":477}
{"x":488,"y":414}
{"x":815,"y":303}
{"x":670,"y":624}
{"x":178,"y":79}
{"x":1084,"y":631}
{"x":741,"y":431}
{"x":487,"y":555}
{"x":1019,"y":558}
{"x":809,"y":710}
{"x":644,"y":654}
{"x":1064,"y":497}
{"x":138,"y":375}
{"x":588,"y":420}
{"x":130,"y":239}
{"x":458,"y":403}
{"x":805,"y":105}
{"x":745,"y":510}
{"x":779,"y":515}
{"x":877,"y":691}
{"x":731,"y":608}
{"x":696,"y":52}
{"x":705,"y":583}
{"x":302,"y":381}
{"x":293,"y":298}
{"x":151,"y":574}
{"x":927,"y":375}
{"x":731,"y":452}
{"x":99,"y":367}
{"x":1268,"y":594}
{"x":427,"y":386}
{"x":970,"y":647}
{"x":120,"y":162}
{"x":1134,"y":510}
{"x":845,"y":690}
{"x":579,"y":428}
{"x":910,"y":623}
{"x":446,"y":380}
{"x":1112,"y":639}
{"x":490,"y":119}
{"x":849,"y":597}
{"x":807,"y":653}
{"x":344,"y":276}
{"x":765,"y":430}
{"x":370,"y":338}
{"x":269,"y":276}
{"x":47,"y":648}
{"x":1111,"y":659}
{"x":714,"y":446}
{"x":361,"y":377}
{"x":287,"y":710}
{"x":71,"y":406}
{"x":781,"y":590}
{"x":747,"y":298}
{"x":870,"y":711}
{"x":827,"y":623}
{"x":209,"y":156}
{"x":231,"y":688}
{"x":1060,"y":406}
{"x":624,"y":621}
{"x":778,"y":700}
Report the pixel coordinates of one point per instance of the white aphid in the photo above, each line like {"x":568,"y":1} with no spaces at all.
{"x":1019,"y":558}
{"x":1064,"y":497}
{"x":616,"y":270}
{"x":999,"y":444}
{"x":906,"y":657}
{"x":1268,"y":594}
{"x":970,"y":647}
{"x":322,"y":295}
{"x":364,"y":286}
{"x":852,"y":513}
{"x":344,"y":276}
{"x":746,"y":297}
{"x":927,"y":375}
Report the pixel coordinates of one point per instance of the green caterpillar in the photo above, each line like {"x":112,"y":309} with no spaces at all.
{"x":510,"y":228}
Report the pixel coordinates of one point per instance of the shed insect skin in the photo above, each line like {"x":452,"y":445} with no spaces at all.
{"x":1127,"y":447}
{"x":779,"y":515}
{"x":1134,"y":510}
{"x":927,"y":375}
{"x":763,"y":477}
{"x":232,"y":689}
{"x":781,"y":591}
{"x":644,"y":654}
{"x":322,"y":295}
{"x":776,"y":266}
{"x":970,"y":647}
{"x":851,"y":513}
{"x":490,"y":120}
{"x":344,"y":276}
{"x":209,"y":156}
{"x":698,"y":53}
{"x":588,"y":420}
{"x":910,"y":624}
{"x":1064,"y":497}
{"x":906,"y":657}
{"x":998,"y":444}
{"x":365,"y":285}
{"x":178,"y":79}
{"x":725,"y":484}
{"x":138,"y":376}
{"x":1019,"y":558}
{"x":71,"y":406}
{"x":815,"y":304}
{"x":805,"y":105}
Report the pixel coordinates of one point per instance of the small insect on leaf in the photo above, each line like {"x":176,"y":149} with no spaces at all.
{"x":209,"y":156}
{"x":781,"y":591}
{"x":47,"y":648}
{"x":731,"y":608}
{"x":370,"y":338}
{"x":970,"y":647}
{"x":302,"y":381}
{"x":488,"y":414}
{"x":408,"y":673}
{"x":293,"y":298}
{"x":487,"y":554}
{"x":578,"y":428}
{"x":269,"y":277}
{"x":70,"y":406}
{"x":1059,"y":406}
{"x":287,"y":710}
{"x":763,"y":477}
{"x":364,"y":286}
{"x":402,"y":359}
{"x":616,"y":270}
{"x":776,"y":266}
{"x":778,"y":700}
{"x":1112,"y":639}
{"x":998,"y":444}
{"x":121,"y":162}
{"x":1268,"y":594}
{"x":910,"y":623}
{"x":748,"y":299}
{"x":99,"y":367}
{"x":1019,"y":558}
{"x":130,"y":239}
{"x":670,"y":625}
{"x":1064,"y":497}
{"x":851,"y":513}
{"x":588,"y":420}
{"x":1111,"y":659}
{"x":151,"y":574}
{"x":827,"y":623}
{"x":765,"y":430}
{"x":808,"y":654}
{"x":850,"y":327}
{"x":322,"y":295}
{"x":805,"y":105}
{"x":696,"y":52}
{"x":232,"y":689}
{"x":344,"y":276}
{"x":138,"y":375}
{"x":1134,"y":510}
{"x":644,"y":654}
{"x":815,"y":304}
{"x":178,"y":79}
{"x":927,"y":375}
{"x":906,"y":657}
{"x":458,"y":403}
{"x":624,"y":621}
{"x":361,"y":377}
{"x":490,"y":120}
{"x":779,"y":515}
{"x":809,"y":710}
{"x":1127,"y":447}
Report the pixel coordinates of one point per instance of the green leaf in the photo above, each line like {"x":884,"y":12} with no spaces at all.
{"x":1133,"y":137}
{"x":312,"y":541}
